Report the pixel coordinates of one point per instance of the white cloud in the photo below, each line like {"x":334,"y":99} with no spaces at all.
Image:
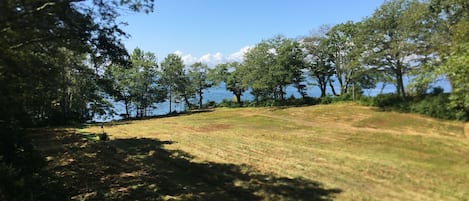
{"x":214,"y":59}
{"x":239,"y":55}
{"x":178,"y":52}
{"x":188,"y":59}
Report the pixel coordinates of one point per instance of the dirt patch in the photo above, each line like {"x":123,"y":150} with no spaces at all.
{"x":210,"y":128}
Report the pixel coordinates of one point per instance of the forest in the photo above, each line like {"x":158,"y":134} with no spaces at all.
{"x":62,"y":62}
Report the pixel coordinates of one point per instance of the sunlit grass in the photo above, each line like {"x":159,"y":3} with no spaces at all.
{"x":369,"y":155}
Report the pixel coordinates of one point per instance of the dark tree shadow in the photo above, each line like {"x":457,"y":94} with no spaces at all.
{"x":142,"y":169}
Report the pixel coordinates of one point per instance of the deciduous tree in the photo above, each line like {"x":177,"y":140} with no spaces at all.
{"x":231,"y":74}
{"x":395,"y":38}
{"x":173,"y":77}
{"x":198,"y":78}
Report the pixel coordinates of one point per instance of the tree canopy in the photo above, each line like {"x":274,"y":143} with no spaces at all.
{"x":44,"y":48}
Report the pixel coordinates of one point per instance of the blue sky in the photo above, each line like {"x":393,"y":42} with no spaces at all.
{"x":214,"y":31}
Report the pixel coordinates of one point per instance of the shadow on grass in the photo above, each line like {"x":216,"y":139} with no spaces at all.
{"x":142,"y":169}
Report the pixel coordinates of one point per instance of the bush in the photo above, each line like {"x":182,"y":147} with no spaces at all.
{"x":342,"y":98}
{"x":391,"y":101}
{"x":232,"y":104}
{"x":302,"y":101}
{"x":436,"y":105}
{"x":210,"y":104}
{"x":366,"y":100}
{"x":326,"y":99}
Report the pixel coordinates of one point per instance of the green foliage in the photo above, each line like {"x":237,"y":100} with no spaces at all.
{"x":137,"y":84}
{"x":210,"y":104}
{"x":146,"y":89}
{"x":390,"y":101}
{"x":456,"y":68}
{"x":319,"y":59}
{"x":342,"y":42}
{"x":119,"y":85}
{"x":197,"y":74}
{"x":393,"y":36}
{"x":436,"y":105}
{"x":51,"y":57}
{"x":453,"y":49}
{"x":326,"y":100}
{"x":272,"y":65}
{"x":232,"y":75}
{"x":232,"y":104}
{"x":46,"y":52}
{"x":174,"y":79}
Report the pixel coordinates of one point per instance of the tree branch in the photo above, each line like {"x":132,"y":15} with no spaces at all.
{"x":35,"y":40}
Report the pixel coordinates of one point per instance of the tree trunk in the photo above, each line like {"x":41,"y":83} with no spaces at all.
{"x":401,"y":84}
{"x":238,"y":97}
{"x":200,"y":98}
{"x":343,"y":89}
{"x":382,"y":88}
{"x":282,"y":94}
{"x":64,"y":88}
{"x":301,"y":90}
{"x":126,"y":103}
{"x":323,"y":90}
{"x":339,"y":70}
{"x":170,"y":98}
{"x":186,"y":100}
{"x":322,"y":85}
{"x":332,"y":87}
{"x":399,"y":81}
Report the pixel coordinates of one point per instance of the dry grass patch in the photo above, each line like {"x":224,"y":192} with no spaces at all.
{"x":367,"y":154}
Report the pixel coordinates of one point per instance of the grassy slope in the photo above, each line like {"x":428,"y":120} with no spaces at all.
{"x":367,"y":154}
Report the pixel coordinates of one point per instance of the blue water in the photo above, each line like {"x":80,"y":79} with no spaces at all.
{"x":219,"y":93}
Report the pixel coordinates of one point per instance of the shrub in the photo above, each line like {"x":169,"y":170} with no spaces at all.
{"x":292,"y":101}
{"x":366,"y":100}
{"x":210,"y":104}
{"x":436,"y":105}
{"x":326,"y":99}
{"x":391,"y":101}
{"x":232,"y":104}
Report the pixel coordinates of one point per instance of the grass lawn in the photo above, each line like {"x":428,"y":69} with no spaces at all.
{"x":324,"y":152}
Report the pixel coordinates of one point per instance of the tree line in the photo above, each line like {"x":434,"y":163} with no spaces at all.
{"x":143,"y":82}
{"x":403,"y":38}
{"x":423,"y":40}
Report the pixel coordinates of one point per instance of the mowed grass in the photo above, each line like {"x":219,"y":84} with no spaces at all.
{"x":364,"y":153}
